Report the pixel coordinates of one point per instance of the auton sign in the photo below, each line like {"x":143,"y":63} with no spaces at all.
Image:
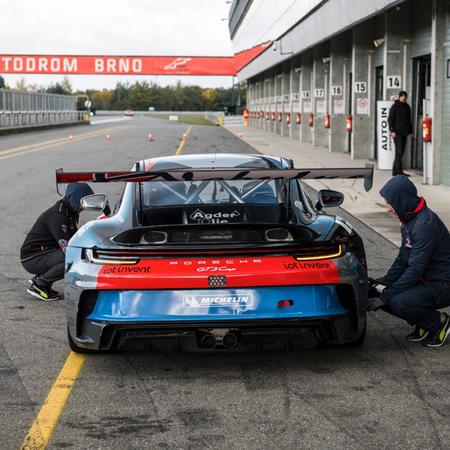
{"x":128,"y":65}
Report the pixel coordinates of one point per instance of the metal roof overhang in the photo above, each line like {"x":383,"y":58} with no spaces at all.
{"x":332,"y":18}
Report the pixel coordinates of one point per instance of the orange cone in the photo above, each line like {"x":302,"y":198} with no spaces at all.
{"x":150,"y":137}
{"x":70,"y":137}
{"x":108,"y":137}
{"x":241,"y":135}
{"x":184,"y":136}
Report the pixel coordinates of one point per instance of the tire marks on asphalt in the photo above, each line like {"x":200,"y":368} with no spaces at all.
{"x":18,"y":151}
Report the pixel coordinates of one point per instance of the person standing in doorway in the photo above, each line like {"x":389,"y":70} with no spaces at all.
{"x":400,"y":127}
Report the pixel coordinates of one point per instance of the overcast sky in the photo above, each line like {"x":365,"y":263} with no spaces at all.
{"x":115,"y":27}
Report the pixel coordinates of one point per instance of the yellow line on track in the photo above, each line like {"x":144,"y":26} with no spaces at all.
{"x":183,"y":142}
{"x":42,"y":428}
{"x":5,"y":154}
{"x":45,"y":422}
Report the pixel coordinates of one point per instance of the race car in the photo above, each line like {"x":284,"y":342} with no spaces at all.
{"x":221,"y":252}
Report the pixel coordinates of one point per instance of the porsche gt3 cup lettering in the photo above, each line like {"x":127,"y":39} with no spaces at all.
{"x":216,"y":262}
{"x":215,"y":269}
{"x":190,"y":273}
{"x":196,"y":301}
{"x":218,"y":217}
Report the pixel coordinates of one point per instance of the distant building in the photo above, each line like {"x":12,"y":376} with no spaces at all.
{"x":332,"y":60}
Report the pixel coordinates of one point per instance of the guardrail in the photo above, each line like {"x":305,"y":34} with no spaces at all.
{"x":29,"y":119}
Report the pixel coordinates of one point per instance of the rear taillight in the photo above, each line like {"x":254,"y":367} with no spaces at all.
{"x":98,"y":257}
{"x":323,"y":252}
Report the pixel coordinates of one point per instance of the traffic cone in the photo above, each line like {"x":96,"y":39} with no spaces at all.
{"x":240,"y":134}
{"x":108,"y":137}
{"x":70,"y":137}
{"x":184,"y":136}
{"x":150,"y":137}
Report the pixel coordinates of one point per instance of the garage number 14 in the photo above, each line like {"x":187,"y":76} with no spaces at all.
{"x":394,"y":82}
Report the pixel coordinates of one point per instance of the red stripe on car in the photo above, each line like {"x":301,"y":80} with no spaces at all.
{"x":182,"y":273}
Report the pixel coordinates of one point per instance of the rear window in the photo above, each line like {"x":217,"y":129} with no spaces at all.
{"x":173,"y":193}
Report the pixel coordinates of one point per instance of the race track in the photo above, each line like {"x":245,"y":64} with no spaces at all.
{"x":386,"y":394}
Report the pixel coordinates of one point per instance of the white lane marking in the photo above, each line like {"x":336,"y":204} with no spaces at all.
{"x":116,"y":119}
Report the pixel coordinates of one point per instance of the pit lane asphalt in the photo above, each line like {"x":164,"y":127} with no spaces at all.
{"x":386,"y":394}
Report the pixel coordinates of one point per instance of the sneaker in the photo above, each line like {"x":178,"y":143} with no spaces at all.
{"x":43,"y":293}
{"x":438,"y":339}
{"x":419,"y":334}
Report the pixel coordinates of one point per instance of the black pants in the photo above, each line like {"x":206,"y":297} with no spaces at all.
{"x":419,"y":304}
{"x":400,"y":143}
{"x":48,"y":267}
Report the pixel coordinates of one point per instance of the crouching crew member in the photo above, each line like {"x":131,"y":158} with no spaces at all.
{"x":417,"y":285}
{"x":43,"y":251}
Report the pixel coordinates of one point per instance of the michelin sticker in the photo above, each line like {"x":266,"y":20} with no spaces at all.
{"x":199,"y":301}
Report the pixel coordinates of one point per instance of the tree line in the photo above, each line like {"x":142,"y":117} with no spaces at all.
{"x":142,"y":95}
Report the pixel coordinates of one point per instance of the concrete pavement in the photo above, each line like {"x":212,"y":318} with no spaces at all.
{"x":386,"y":394}
{"x":369,"y":207}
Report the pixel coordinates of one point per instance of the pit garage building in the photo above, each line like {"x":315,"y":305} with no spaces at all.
{"x":331,"y":63}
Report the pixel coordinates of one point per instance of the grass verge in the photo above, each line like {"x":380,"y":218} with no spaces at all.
{"x":188,"y":119}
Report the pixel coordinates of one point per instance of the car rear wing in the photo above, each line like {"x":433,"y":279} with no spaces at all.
{"x":219,"y":174}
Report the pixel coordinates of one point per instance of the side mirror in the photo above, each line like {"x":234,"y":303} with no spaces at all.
{"x":326,"y":198}
{"x":94,"y":202}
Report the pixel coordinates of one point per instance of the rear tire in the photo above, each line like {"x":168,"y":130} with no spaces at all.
{"x":77,"y":349}
{"x":359,"y":341}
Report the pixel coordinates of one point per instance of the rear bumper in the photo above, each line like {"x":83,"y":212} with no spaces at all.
{"x":263,"y":334}
{"x":319,"y":314}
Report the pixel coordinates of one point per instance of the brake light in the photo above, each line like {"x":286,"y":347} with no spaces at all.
{"x":330,"y":254}
{"x":98,"y":258}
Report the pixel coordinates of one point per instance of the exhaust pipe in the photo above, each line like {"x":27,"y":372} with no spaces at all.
{"x":208,"y":341}
{"x":218,"y":338}
{"x":230,"y":340}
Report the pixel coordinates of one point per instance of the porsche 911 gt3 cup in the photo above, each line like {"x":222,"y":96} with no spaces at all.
{"x":217,"y":252}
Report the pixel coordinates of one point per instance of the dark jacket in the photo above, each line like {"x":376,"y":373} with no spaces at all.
{"x":55,"y":226}
{"x":400,"y":118}
{"x":424,"y":254}
{"x":52,"y":230}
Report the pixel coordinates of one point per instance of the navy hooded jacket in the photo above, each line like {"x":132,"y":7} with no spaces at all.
{"x":425,"y":250}
{"x":55,"y":226}
{"x":75,"y":192}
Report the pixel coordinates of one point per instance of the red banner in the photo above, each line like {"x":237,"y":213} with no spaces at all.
{"x":129,"y":65}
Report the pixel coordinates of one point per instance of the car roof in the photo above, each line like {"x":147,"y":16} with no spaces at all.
{"x":216,"y":160}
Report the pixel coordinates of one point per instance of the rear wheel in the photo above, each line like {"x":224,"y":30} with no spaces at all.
{"x":359,"y":341}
